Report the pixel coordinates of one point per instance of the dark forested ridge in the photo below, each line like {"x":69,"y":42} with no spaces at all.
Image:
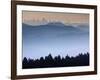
{"x":57,"y":61}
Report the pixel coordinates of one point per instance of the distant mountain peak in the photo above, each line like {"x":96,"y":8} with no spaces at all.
{"x":56,"y":23}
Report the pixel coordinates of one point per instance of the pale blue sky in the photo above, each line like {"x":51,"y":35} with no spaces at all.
{"x":58,"y":40}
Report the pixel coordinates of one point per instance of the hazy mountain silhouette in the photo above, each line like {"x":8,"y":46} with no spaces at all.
{"x":55,"y":27}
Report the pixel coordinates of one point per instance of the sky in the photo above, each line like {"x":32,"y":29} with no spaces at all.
{"x":33,"y":18}
{"x":62,"y":34}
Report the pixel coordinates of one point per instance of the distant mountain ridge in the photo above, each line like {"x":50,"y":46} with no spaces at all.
{"x":57,"y":26}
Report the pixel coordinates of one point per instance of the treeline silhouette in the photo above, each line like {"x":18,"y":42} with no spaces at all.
{"x":57,"y":61}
